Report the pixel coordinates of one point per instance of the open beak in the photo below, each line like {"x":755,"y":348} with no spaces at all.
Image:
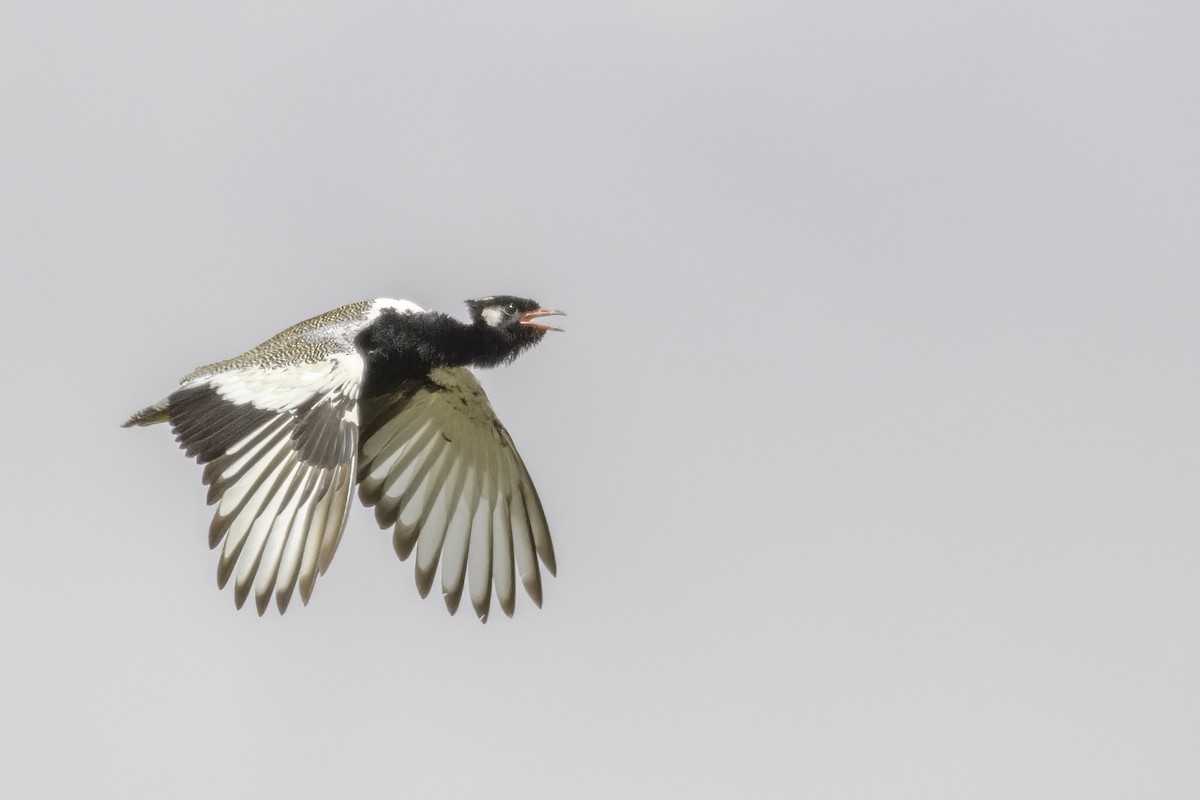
{"x":529,"y":316}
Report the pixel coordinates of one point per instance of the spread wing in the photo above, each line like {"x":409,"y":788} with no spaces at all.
{"x":280,"y":447}
{"x":437,"y":464}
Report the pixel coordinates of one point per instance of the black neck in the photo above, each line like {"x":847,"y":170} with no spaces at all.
{"x":402,"y":347}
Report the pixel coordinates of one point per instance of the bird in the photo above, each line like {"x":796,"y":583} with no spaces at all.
{"x":377,"y":394}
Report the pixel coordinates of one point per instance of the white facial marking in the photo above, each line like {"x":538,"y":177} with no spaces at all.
{"x":493,"y":315}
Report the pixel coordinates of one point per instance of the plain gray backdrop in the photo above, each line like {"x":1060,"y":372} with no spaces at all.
{"x":871,"y":450}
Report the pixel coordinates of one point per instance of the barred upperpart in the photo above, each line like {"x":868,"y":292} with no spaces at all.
{"x":306,"y":342}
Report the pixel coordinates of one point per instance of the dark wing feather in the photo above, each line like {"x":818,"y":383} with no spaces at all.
{"x":280,"y":451}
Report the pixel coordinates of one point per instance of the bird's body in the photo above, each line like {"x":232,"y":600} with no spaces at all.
{"x":375,"y":393}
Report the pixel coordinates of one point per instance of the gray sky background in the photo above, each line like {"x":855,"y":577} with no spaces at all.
{"x":871,"y":452}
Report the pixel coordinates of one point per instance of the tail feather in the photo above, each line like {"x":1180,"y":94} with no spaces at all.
{"x":150,"y":415}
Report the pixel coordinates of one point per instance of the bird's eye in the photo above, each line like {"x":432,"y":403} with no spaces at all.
{"x":511,"y":308}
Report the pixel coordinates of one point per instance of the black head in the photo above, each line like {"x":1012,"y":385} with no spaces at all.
{"x":512,"y":316}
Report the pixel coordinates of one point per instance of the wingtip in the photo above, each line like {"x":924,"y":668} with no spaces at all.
{"x":546,"y":554}
{"x":216,"y":531}
{"x":306,"y":588}
{"x":482,"y":608}
{"x":533,"y":587}
{"x":150,"y":415}
{"x":404,"y":539}
{"x":224,"y":570}
{"x":453,"y":600}
{"x":385,"y":515}
{"x":424,"y":581}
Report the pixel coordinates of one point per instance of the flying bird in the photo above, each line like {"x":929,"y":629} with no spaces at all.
{"x":377,"y":394}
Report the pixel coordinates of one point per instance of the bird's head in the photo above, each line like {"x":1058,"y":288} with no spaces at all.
{"x":506,"y":326}
{"x":514,"y":317}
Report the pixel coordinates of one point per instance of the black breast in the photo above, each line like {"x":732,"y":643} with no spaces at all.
{"x":401,"y":349}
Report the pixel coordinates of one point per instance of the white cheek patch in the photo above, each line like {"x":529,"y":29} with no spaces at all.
{"x":493,"y":315}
